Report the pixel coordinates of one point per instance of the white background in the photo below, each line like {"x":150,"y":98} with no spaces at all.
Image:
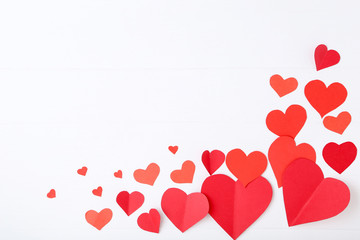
{"x":110,"y":84}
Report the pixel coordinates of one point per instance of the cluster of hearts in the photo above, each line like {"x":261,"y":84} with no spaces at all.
{"x":235,"y":205}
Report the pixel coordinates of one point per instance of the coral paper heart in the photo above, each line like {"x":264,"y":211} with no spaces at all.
{"x":246,"y":168}
{"x":149,"y":175}
{"x":325,"y":99}
{"x":97,"y":191}
{"x":338,"y":124}
{"x":82,"y":171}
{"x":184,"y":210}
{"x":339,"y":157}
{"x":212,"y":160}
{"x":130,"y":202}
{"x":51,"y":194}
{"x":118,"y":174}
{"x":99,"y":220}
{"x":288,"y":124}
{"x":233,"y":206}
{"x":325,"y":58}
{"x":283,"y":86}
{"x":308,"y":196}
{"x":283,"y":151}
{"x":185,"y":174}
{"x":150,"y":221}
{"x":173,"y":149}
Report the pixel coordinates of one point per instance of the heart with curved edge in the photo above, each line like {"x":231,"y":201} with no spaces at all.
{"x":147,"y":176}
{"x":173,"y":149}
{"x":185,"y":174}
{"x":212,"y":160}
{"x":51,"y":193}
{"x":283,"y":151}
{"x":82,"y":171}
{"x":308,"y":197}
{"x":233,"y":206}
{"x":283,"y":86}
{"x":97,"y":191}
{"x":150,"y":221}
{"x":338,"y":124}
{"x":246,"y":168}
{"x":325,"y":99}
{"x":184,"y":210}
{"x":339,"y":157}
{"x":325,"y":58}
{"x":118,"y":174}
{"x":130,"y":202}
{"x":99,"y":220}
{"x":288,"y":124}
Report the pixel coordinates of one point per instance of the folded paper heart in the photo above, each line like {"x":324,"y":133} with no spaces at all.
{"x":149,"y":175}
{"x":130,"y":202}
{"x":98,"y":220}
{"x":288,"y":124}
{"x":233,"y":206}
{"x":283,"y":151}
{"x":185,"y":174}
{"x":325,"y":58}
{"x":173,"y":149}
{"x":97,"y":191}
{"x":118,"y":174}
{"x":339,"y":157}
{"x":325,"y":99}
{"x":283,"y":86}
{"x":338,"y":124}
{"x":150,"y":221}
{"x":212,"y":160}
{"x":246,"y":168}
{"x":184,"y":210}
{"x":51,"y":194}
{"x":82,"y":171}
{"x":308,"y":197}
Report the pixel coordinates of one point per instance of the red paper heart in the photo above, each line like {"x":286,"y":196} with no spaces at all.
{"x":283,"y":86}
{"x":308,"y":196}
{"x":51,"y":194}
{"x":212,"y":160}
{"x":185,"y":174}
{"x":130,"y":202}
{"x":150,"y":221}
{"x":288,"y":124}
{"x":325,"y":99}
{"x":325,"y":58}
{"x":149,"y":175}
{"x":118,"y":174}
{"x":233,"y":206}
{"x":246,"y":168}
{"x":99,"y":220}
{"x":283,"y":151}
{"x":82,"y":171}
{"x":173,"y":149}
{"x":339,"y":157}
{"x":97,"y":191}
{"x":184,"y":210}
{"x":338,"y":124}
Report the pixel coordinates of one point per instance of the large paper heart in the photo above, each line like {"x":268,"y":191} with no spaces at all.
{"x":185,"y":174}
{"x":212,"y":160}
{"x":283,"y":151}
{"x":184,"y":210}
{"x":325,"y":99}
{"x":150,"y":221}
{"x":308,"y":196}
{"x":338,"y":124}
{"x":339,"y":157}
{"x":246,"y":168}
{"x":325,"y":58}
{"x":130,"y":202}
{"x":147,"y":176}
{"x":99,"y":220}
{"x":233,"y":206}
{"x":288,"y":124}
{"x":283,"y":86}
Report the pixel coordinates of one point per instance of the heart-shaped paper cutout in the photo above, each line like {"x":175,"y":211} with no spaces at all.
{"x":82,"y":171}
{"x":233,"y":206}
{"x":339,"y":157}
{"x":246,"y":168}
{"x":184,"y":210}
{"x":150,"y":221}
{"x":288,"y":124}
{"x":338,"y":124}
{"x":99,"y":220}
{"x":325,"y":99}
{"x":118,"y":174}
{"x":283,"y":86}
{"x":308,"y":196}
{"x":51,"y":193}
{"x":325,"y":58}
{"x":149,"y":175}
{"x":130,"y":202}
{"x":212,"y":160}
{"x":173,"y":149}
{"x":283,"y":151}
{"x":185,"y":174}
{"x":97,"y":191}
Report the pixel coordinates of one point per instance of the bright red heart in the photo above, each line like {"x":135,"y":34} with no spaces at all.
{"x":149,"y":175}
{"x":233,"y":206}
{"x":130,"y":202}
{"x":212,"y":160}
{"x":308,"y":196}
{"x":97,"y":191}
{"x":288,"y":124}
{"x":185,"y":174}
{"x":118,"y":174}
{"x":99,"y":220}
{"x":283,"y":86}
{"x":150,"y":221}
{"x":51,"y":194}
{"x":173,"y":149}
{"x":338,"y":124}
{"x":339,"y":157}
{"x":283,"y":151}
{"x":184,"y":210}
{"x":325,"y":99}
{"x":325,"y":58}
{"x":82,"y":171}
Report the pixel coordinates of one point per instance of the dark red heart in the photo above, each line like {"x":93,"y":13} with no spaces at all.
{"x":212,"y":160}
{"x":130,"y":202}
{"x":325,"y":58}
{"x":339,"y":157}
